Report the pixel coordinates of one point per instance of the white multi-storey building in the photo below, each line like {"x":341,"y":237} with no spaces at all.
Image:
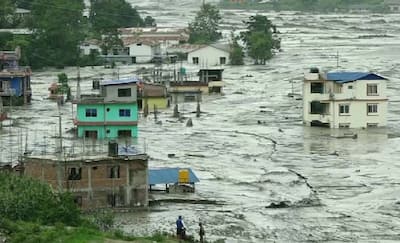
{"x":344,"y":99}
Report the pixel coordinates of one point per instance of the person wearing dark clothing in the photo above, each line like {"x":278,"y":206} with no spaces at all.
{"x":201,"y":232}
{"x":180,"y":228}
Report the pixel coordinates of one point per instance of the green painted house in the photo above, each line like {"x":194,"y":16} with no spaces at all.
{"x":112,"y":114}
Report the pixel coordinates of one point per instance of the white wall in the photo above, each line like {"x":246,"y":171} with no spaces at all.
{"x":208,"y":56}
{"x":352,"y":93}
{"x":143,"y":53}
{"x":85,"y":49}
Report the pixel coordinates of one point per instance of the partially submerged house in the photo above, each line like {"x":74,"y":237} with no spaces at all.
{"x":213,"y":77}
{"x":175,"y":180}
{"x":15,"y":81}
{"x":393,"y":5}
{"x":344,"y":99}
{"x":119,"y":179}
{"x":210,"y":55}
{"x":111,"y":114}
{"x":154,"y":96}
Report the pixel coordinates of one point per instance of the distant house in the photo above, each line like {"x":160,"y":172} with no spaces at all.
{"x":113,"y":114}
{"x":344,"y":99}
{"x":15,"y":81}
{"x":210,"y":55}
{"x":90,"y":46}
{"x":140,"y":51}
{"x":393,"y":5}
{"x":162,"y":37}
{"x":118,"y":179}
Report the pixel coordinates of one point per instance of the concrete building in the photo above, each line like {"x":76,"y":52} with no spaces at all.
{"x":209,"y":55}
{"x":116,"y":180}
{"x":140,"y":51}
{"x":153,"y":95}
{"x":393,"y":5}
{"x":111,"y":114}
{"x":15,"y":81}
{"x":344,"y":99}
{"x":90,"y":46}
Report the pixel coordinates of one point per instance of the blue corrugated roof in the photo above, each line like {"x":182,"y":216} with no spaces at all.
{"x":169,"y":175}
{"x":121,"y":81}
{"x":344,"y":77}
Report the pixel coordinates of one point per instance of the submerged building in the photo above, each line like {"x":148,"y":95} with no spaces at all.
{"x":119,"y":179}
{"x":15,"y":81}
{"x":344,"y":99}
{"x":111,"y":114}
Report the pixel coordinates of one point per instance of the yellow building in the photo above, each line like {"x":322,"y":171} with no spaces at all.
{"x":153,"y":95}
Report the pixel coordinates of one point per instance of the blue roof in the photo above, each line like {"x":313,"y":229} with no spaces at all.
{"x":168,"y":176}
{"x":344,"y":77}
{"x":121,"y":81}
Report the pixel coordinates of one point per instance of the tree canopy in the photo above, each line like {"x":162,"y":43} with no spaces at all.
{"x":108,"y":15}
{"x":236,"y":52}
{"x":7,"y":9}
{"x":28,"y":199}
{"x":204,"y":28}
{"x":259,"y":38}
{"x":57,"y":32}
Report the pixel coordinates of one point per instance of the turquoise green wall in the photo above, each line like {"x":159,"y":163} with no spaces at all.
{"x":113,"y":114}
{"x":104,"y":115}
{"x":99,"y":129}
{"x":81,"y":112}
{"x":114,"y":131}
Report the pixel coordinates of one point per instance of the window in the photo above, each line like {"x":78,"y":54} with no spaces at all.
{"x":371,"y":125}
{"x":344,"y":109}
{"x":124,"y":112}
{"x":222,"y":60}
{"x":124,"y":92}
{"x":74,"y":173}
{"x":350,"y":87}
{"x":113,"y":171}
{"x":124,"y":133}
{"x":189,"y":98}
{"x":139,"y":44}
{"x":195,"y":60}
{"x":344,"y":125}
{"x":372,"y":109}
{"x":317,"y":88}
{"x":317,"y":107}
{"x":91,"y":112}
{"x":372,"y":89}
{"x":91,"y":134}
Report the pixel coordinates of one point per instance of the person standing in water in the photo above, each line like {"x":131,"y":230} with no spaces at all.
{"x":180,"y":227}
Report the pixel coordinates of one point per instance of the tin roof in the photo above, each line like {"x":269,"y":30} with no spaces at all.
{"x":121,"y":81}
{"x":168,"y":176}
{"x":345,"y":77}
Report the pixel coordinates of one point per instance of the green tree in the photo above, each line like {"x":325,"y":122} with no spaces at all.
{"x":149,"y":21}
{"x":236,"y":53}
{"x":7,"y":9}
{"x":108,"y":15}
{"x":57,"y":32}
{"x":28,"y":199}
{"x":259,"y":38}
{"x":204,"y":28}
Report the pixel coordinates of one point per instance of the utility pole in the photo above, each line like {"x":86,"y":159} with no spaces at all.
{"x":337,"y":60}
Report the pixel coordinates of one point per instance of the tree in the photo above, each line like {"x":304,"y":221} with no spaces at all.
{"x":149,"y":21}
{"x":57,"y":32}
{"x":28,"y":199}
{"x":108,"y":15}
{"x":236,"y":52}
{"x":259,"y":38}
{"x":204,"y":28}
{"x":7,"y":10}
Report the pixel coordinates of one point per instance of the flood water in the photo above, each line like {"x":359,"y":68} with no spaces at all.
{"x":250,"y":149}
